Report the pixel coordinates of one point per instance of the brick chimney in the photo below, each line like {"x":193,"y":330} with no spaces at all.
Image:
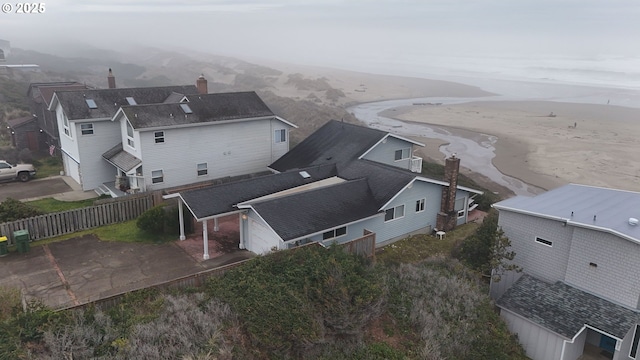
{"x":111,"y":80}
{"x":201,"y":84}
{"x":447,"y":217}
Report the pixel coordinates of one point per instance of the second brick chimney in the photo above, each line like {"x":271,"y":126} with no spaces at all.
{"x":111,"y":80}
{"x":447,"y":217}
{"x":201,"y":84}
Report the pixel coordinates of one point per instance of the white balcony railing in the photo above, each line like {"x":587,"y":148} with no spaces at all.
{"x":416,"y":164}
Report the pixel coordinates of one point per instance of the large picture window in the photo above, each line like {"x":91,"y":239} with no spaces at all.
{"x":334,"y":233}
{"x":394,"y":213}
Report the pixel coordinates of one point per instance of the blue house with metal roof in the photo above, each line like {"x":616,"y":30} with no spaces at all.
{"x":579,"y":292}
{"x":340,"y":182}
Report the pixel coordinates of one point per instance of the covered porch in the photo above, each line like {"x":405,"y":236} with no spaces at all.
{"x":128,"y":177}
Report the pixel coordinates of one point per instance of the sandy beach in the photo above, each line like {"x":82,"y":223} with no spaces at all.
{"x":543,"y":143}
{"x":548,"y":144}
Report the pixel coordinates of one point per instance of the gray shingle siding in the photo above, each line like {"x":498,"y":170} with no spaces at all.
{"x":617,"y":275}
{"x":548,"y":263}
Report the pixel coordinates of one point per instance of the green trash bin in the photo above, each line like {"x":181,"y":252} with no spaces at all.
{"x":4,"y":249}
{"x":22,"y":240}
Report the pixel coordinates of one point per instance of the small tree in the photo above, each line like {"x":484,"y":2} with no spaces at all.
{"x":488,"y":249}
{"x":12,"y":209}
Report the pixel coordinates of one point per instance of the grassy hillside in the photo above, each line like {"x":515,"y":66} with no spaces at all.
{"x":311,"y":303}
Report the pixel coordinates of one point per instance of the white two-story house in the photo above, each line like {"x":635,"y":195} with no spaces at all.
{"x":138,"y":139}
{"x":579,"y":291}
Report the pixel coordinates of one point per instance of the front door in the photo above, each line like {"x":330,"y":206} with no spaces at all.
{"x":607,"y":343}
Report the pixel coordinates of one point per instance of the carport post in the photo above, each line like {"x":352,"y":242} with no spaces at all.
{"x":215,"y":224}
{"x":181,"y":216}
{"x":205,"y":238}
{"x":241,"y":222}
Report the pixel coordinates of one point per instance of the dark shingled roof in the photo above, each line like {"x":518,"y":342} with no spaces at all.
{"x":120,"y":158}
{"x":564,"y":309}
{"x":335,"y":142}
{"x":385,"y":181}
{"x":108,"y":101}
{"x":315,"y":210}
{"x":205,"y":108}
{"x":47,"y":91}
{"x":221,"y":199}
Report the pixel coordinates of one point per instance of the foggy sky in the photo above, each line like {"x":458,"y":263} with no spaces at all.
{"x":333,"y":32}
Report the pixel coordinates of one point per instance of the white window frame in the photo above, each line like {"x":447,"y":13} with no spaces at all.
{"x":543,"y":241}
{"x":333,"y":234}
{"x":280,"y":136}
{"x":636,"y":334}
{"x":395,"y":210}
{"x":158,"y":137}
{"x":420,"y":204}
{"x":65,"y":126}
{"x":155,"y":177}
{"x":86,"y":129}
{"x":202,"y":170}
{"x":130,"y":140}
{"x":405,"y":154}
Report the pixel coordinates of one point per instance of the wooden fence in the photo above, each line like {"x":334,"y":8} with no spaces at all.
{"x":364,"y":246}
{"x":108,"y":212}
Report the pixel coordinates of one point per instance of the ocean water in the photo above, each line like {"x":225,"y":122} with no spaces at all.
{"x":599,"y":80}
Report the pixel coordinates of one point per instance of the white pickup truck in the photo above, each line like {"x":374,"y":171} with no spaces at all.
{"x":22,"y":172}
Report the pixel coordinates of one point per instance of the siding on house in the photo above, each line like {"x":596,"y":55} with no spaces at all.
{"x":573,"y":350}
{"x":67,"y":142}
{"x":615,"y":277}
{"x":384,"y":152}
{"x":412,"y":221}
{"x":539,"y":343}
{"x":95,"y":170}
{"x":228,"y":149}
{"x":536,"y":259}
{"x":71,"y":167}
{"x":259,"y":237}
{"x":625,"y":347}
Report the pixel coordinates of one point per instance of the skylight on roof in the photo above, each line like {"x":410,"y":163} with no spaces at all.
{"x":131,"y":100}
{"x":91,"y":104}
{"x":186,"y":108}
{"x":304,"y":174}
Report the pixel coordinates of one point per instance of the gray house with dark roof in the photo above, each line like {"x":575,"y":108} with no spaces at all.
{"x":142,"y":139}
{"x":337,"y":184}
{"x":579,"y":292}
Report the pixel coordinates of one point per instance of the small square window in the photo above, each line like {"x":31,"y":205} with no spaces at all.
{"x":402,"y":154}
{"x":157,"y":176}
{"x":202,"y":169}
{"x":86,"y":129}
{"x":159,"y":137}
{"x":280,"y":135}
{"x":420,"y":205}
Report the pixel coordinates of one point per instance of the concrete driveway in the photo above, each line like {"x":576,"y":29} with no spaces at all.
{"x":33,"y":189}
{"x":85,"y":269}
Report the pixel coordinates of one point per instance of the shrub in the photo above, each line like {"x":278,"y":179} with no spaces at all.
{"x":12,"y":209}
{"x":25,"y":155}
{"x":152,"y":220}
{"x":295,"y":301}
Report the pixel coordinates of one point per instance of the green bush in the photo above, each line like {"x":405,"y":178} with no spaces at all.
{"x":162,"y":219}
{"x":152,"y":220}
{"x":12,"y":209}
{"x":294,"y":301}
